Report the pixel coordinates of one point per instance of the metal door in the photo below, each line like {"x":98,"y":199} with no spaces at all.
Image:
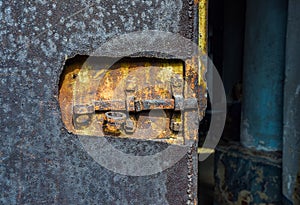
{"x":47,"y":134}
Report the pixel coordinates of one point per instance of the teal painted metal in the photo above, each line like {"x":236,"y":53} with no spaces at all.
{"x":264,"y":62}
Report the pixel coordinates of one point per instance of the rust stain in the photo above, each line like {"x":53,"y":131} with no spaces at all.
{"x":149,"y":94}
{"x":203,"y":24}
{"x":296,"y":194}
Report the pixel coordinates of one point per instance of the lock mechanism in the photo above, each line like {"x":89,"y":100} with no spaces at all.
{"x":148,"y":99}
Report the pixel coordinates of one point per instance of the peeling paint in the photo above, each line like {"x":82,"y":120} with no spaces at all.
{"x":243,"y":176}
{"x":263,"y":74}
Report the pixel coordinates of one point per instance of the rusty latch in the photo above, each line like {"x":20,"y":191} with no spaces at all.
{"x":117,"y":121}
{"x":148,"y":99}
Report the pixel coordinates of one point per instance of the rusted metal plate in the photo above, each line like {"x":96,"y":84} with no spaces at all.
{"x":130,"y":91}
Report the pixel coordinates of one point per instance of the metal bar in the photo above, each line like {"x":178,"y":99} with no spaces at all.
{"x":161,"y":104}
{"x":143,"y":105}
{"x":103,"y":105}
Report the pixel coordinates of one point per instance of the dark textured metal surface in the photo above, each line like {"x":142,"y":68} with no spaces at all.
{"x":291,"y":112}
{"x":245,"y":176}
{"x":41,"y":163}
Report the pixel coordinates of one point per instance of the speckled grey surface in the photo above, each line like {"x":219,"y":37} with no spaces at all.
{"x":40,"y":162}
{"x":291,"y":114}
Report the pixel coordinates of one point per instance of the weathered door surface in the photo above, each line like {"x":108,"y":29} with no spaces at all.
{"x":63,"y":102}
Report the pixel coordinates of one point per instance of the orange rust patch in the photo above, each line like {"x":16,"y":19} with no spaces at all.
{"x":141,"y":86}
